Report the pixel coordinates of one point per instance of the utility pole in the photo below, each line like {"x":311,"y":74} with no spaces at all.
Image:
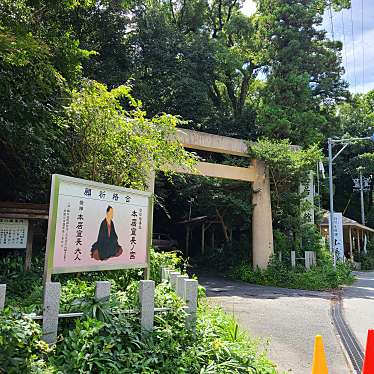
{"x":331,"y":158}
{"x":362,"y":199}
{"x":331,"y":222}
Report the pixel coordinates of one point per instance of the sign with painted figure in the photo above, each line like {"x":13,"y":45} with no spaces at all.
{"x":13,"y":233}
{"x":94,"y":226}
{"x":338,"y":236}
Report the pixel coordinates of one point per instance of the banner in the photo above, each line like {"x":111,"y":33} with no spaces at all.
{"x":338,"y":236}
{"x":308,"y":200}
{"x":94,"y":226}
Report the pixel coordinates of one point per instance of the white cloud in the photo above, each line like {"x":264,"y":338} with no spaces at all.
{"x":368,"y":86}
{"x":249,"y":7}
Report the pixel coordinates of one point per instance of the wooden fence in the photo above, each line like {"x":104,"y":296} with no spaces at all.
{"x":184,"y":287}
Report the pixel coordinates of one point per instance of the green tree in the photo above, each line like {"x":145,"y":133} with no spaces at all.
{"x":303,"y":71}
{"x":39,"y":62}
{"x":288,"y":168}
{"x":110,"y":139}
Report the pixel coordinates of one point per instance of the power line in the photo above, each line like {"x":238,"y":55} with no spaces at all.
{"x":344,"y":41}
{"x":353,"y":49}
{"x":362,"y":45}
{"x":332,"y":24}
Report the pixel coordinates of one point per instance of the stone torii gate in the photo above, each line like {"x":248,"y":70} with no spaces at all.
{"x":262,"y":228}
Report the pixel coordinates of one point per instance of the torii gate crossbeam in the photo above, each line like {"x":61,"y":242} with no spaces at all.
{"x":257,"y":174}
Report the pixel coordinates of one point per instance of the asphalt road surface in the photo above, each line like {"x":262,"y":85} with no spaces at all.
{"x":290,"y":318}
{"x":358,"y":306}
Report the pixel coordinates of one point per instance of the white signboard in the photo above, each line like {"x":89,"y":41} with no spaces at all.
{"x":13,"y":233}
{"x":94,"y":226}
{"x":338,"y":236}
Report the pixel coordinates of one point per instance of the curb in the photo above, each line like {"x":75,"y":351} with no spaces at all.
{"x":349,"y":343}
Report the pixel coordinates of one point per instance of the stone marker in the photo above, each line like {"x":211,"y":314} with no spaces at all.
{"x":164,"y":273}
{"x":102,"y":291}
{"x":167,"y":272}
{"x":173,"y":279}
{"x":51,"y":305}
{"x":310,"y":259}
{"x":180,"y":286}
{"x":147,"y":310}
{"x":293,"y":259}
{"x":191,"y":301}
{"x":2,"y":296}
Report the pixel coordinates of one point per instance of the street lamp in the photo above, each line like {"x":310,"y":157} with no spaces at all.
{"x":345,"y":143}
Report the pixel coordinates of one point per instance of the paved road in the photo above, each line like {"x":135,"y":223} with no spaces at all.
{"x":358,"y":305}
{"x":290,"y":318}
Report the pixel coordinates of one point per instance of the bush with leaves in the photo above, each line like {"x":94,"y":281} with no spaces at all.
{"x":107,"y":340}
{"x":110,"y":139}
{"x":366,"y":259}
{"x":21,"y":347}
{"x":24,"y":290}
{"x":288,"y":167}
{"x":218,"y":346}
{"x":321,"y":277}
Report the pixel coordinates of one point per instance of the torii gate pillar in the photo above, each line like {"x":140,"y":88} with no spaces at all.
{"x":262,"y":226}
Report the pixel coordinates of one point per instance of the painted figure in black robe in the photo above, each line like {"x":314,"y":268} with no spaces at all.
{"x":106,"y":245}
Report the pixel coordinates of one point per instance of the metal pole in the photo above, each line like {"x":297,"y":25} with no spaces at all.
{"x":331,"y":223}
{"x":318,"y":189}
{"x":362,"y":199}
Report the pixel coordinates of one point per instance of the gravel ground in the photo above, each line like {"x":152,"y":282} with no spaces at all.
{"x":290,"y":318}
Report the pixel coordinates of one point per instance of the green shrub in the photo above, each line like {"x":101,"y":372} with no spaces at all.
{"x":24,"y":289}
{"x":21,"y":347}
{"x":366,"y":259}
{"x":108,"y":341}
{"x":320,"y":277}
{"x":218,"y":346}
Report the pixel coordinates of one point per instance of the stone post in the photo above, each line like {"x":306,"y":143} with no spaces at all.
{"x":147,"y":304}
{"x":102,"y":291}
{"x":307,"y":260}
{"x":2,"y":296}
{"x":190,"y":297}
{"x":173,"y":279}
{"x":180,"y":285}
{"x":51,"y":306}
{"x":293,"y":259}
{"x":164,"y":273}
{"x":262,"y":226}
{"x":167,"y":272}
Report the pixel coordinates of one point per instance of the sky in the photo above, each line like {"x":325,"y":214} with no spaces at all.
{"x":358,"y":47}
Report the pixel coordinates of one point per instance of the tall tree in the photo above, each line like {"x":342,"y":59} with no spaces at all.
{"x":39,"y":62}
{"x":303,"y":70}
